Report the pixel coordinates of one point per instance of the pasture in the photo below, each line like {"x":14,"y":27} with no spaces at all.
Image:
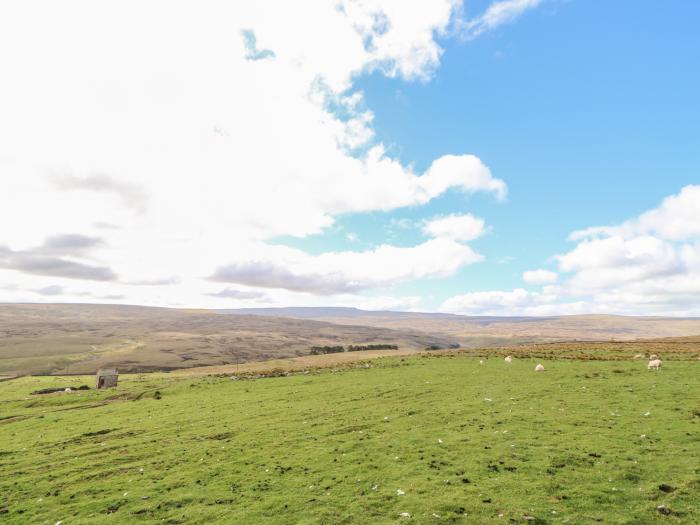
{"x":420,"y":439}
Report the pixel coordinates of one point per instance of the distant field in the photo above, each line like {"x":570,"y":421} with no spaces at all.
{"x":79,"y":339}
{"x":444,"y":439}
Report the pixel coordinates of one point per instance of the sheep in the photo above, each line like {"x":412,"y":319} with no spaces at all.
{"x":654,"y":364}
{"x":638,"y":356}
{"x":67,"y":390}
{"x":508,"y":359}
{"x":539,"y":368}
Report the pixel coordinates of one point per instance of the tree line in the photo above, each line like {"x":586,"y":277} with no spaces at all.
{"x":318,"y":350}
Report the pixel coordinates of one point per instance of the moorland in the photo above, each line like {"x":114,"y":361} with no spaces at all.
{"x":430,"y":438}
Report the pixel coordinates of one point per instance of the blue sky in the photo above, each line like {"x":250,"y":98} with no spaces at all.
{"x":587,"y":110}
{"x":356,"y":154}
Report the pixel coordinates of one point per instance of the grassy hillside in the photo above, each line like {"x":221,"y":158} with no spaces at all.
{"x":75,"y":339}
{"x":443,"y":439}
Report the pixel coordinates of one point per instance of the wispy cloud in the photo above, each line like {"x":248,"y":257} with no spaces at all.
{"x":348,"y":272}
{"x":232,"y":293}
{"x":32,"y":263}
{"x":70,"y":243}
{"x":50,"y":290}
{"x":50,"y":259}
{"x":498,"y":13}
{"x":159,"y":281}
{"x":131,"y":195}
{"x":55,"y":290}
{"x":270,"y":275}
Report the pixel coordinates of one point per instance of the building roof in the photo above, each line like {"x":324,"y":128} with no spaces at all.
{"x":107,"y":372}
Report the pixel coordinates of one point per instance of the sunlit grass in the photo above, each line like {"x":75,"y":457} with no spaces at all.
{"x":584,"y":442}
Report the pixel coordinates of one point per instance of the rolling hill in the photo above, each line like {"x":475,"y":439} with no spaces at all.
{"x":74,"y":338}
{"x":80,"y":338}
{"x":483,"y":330}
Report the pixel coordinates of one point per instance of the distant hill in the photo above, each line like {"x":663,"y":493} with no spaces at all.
{"x":80,"y":338}
{"x":317,"y":312}
{"x":488,"y":330}
{"x":313,"y":312}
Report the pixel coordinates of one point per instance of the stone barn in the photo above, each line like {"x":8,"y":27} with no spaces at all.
{"x":107,"y":378}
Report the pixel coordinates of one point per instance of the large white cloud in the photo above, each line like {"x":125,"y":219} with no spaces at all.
{"x":183,"y":136}
{"x":344,"y":272}
{"x":677,"y":218}
{"x":648,"y":265}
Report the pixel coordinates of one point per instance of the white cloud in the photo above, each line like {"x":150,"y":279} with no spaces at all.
{"x":400,"y":38}
{"x":131,"y":195}
{"x":54,"y":260}
{"x":485,"y":303}
{"x":648,"y":265}
{"x":540,"y":277}
{"x":456,"y":227}
{"x":186,"y":153}
{"x":347,"y":272}
{"x":498,"y":13}
{"x":676,"y":219}
{"x":463,"y":172}
{"x":518,"y":302}
{"x":613,"y":261}
{"x":237,"y":293}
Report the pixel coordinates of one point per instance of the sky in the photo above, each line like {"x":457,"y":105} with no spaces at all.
{"x":486,"y":157}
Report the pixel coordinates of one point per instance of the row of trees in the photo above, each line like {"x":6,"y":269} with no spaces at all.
{"x":451,"y":346}
{"x":318,"y":350}
{"x":360,"y":348}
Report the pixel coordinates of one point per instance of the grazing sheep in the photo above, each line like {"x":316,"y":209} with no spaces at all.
{"x":68,"y":390}
{"x":508,"y":359}
{"x":539,"y":368}
{"x":638,"y":356}
{"x":654,"y":364}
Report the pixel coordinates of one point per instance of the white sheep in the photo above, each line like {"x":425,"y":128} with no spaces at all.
{"x":654,"y":364}
{"x":68,"y":390}
{"x":508,"y":359}
{"x":638,"y":356}
{"x":539,"y":368}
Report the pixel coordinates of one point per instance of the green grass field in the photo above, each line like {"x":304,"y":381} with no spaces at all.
{"x":443,"y":439}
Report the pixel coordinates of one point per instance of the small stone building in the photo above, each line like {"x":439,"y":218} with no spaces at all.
{"x":107,"y":378}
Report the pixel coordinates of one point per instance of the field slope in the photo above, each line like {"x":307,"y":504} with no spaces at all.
{"x":441,"y":439}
